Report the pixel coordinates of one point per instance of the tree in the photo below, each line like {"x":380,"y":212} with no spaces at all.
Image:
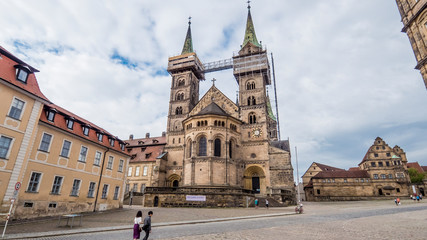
{"x":415,"y":176}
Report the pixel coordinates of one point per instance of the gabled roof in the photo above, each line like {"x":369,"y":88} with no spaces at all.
{"x":214,"y":95}
{"x":214,"y":109}
{"x":146,"y":149}
{"x":60,"y":122}
{"x":324,"y":167}
{"x":416,"y":166}
{"x":342,"y":174}
{"x":8,"y":63}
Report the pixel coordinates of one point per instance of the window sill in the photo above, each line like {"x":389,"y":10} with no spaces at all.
{"x":81,"y":161}
{"x":90,"y":196}
{"x":17,"y":119}
{"x":64,"y":156}
{"x":1,"y":158}
{"x":71,"y":195}
{"x":40,"y":150}
{"x":31,"y":192}
{"x":55,"y":194}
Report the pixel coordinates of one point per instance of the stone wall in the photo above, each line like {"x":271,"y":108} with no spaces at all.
{"x":215,"y":197}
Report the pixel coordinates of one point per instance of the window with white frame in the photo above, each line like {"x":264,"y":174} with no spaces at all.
{"x":45,"y":143}
{"x":35,"y":179}
{"x":104,"y":191}
{"x":76,"y":187}
{"x":129,"y":171}
{"x":121,"y":163}
{"x":56,"y":186}
{"x":137,"y":170}
{"x":110,"y":162}
{"x":116,"y":193}
{"x":65,"y":152}
{"x":99,"y":135}
{"x":22,"y":73}
{"x":70,"y":123}
{"x":97,"y":160}
{"x":5,"y":143}
{"x":50,"y":115}
{"x":91,"y":191}
{"x":85,"y":130}
{"x":111,"y":141}
{"x":83,"y":154}
{"x":145,"y":171}
{"x":135,"y":187}
{"x":16,"y":109}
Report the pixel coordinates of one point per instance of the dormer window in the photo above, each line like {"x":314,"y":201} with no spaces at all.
{"x":22,"y":73}
{"x":50,"y":114}
{"x":85,"y":130}
{"x":99,"y":135}
{"x":111,"y":140}
{"x":140,"y":142}
{"x":70,"y":123}
{"x":122,"y":146}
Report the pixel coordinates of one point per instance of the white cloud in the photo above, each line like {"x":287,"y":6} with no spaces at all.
{"x":344,"y":69}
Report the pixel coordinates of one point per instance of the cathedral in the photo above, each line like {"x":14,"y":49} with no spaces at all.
{"x":216,"y":150}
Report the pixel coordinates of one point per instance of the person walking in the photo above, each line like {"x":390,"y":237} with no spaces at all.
{"x":266,"y":203}
{"x":256,"y":202}
{"x":136,"y":226}
{"x":147,"y":225}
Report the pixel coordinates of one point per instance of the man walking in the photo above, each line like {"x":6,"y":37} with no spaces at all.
{"x":147,"y":225}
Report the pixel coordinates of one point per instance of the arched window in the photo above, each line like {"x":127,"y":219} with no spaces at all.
{"x":181,"y":82}
{"x":217,"y":151}
{"x":178,"y":111}
{"x":252,"y":118}
{"x":250,"y":85}
{"x":251,"y":100}
{"x":179,"y":96}
{"x":202,"y":146}
{"x":230,"y":149}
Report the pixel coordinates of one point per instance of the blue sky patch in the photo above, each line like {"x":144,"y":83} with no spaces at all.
{"x":120,"y":59}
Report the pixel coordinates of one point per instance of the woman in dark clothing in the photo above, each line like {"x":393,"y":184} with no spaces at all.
{"x":136,"y":227}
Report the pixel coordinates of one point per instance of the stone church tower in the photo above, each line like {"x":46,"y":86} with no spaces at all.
{"x":414,"y":19}
{"x":215,"y":145}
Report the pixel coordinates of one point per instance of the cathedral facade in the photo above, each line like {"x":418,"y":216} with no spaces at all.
{"x":414,"y":19}
{"x":214,"y":144}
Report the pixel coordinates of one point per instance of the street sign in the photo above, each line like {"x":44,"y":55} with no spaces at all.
{"x":17,"y":185}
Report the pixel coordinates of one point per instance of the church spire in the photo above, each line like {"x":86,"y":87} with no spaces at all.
{"x":250,"y":35}
{"x":188,"y":43}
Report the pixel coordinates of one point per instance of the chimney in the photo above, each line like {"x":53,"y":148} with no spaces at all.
{"x":131,"y":137}
{"x":147,"y":135}
{"x":163,"y":134}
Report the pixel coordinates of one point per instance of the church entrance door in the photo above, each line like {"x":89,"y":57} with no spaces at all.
{"x":156,"y":201}
{"x":255,"y":184}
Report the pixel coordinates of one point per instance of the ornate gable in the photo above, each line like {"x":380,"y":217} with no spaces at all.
{"x":213,"y":95}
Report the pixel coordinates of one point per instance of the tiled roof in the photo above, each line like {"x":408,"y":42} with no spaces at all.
{"x":342,"y":174}
{"x":8,"y":73}
{"x":283,"y":144}
{"x":146,"y":141}
{"x":146,"y":149}
{"x":327,"y":168}
{"x":212,"y":108}
{"x":60,"y":122}
{"x":424,"y":168}
{"x":416,"y":166}
{"x":354,"y":169}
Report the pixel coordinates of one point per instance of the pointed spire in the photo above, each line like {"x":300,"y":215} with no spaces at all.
{"x":188,"y":43}
{"x":250,"y":35}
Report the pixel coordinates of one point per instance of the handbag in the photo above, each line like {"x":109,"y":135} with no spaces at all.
{"x":140,"y":229}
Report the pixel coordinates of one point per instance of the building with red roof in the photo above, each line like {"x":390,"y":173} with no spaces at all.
{"x":52,"y":161}
{"x":382,"y":173}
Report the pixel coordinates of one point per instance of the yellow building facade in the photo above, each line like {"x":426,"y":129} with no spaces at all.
{"x":62,"y":162}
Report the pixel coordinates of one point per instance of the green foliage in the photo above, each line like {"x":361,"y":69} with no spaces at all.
{"x":415,"y":176}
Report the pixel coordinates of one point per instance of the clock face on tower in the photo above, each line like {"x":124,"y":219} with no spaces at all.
{"x":256,"y":132}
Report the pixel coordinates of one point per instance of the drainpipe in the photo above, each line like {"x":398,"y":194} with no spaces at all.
{"x":100,"y":177}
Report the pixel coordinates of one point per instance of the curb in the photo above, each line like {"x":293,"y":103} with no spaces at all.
{"x":106,"y":229}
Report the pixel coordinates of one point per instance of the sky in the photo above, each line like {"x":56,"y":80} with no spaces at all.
{"x":344,"y":70}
